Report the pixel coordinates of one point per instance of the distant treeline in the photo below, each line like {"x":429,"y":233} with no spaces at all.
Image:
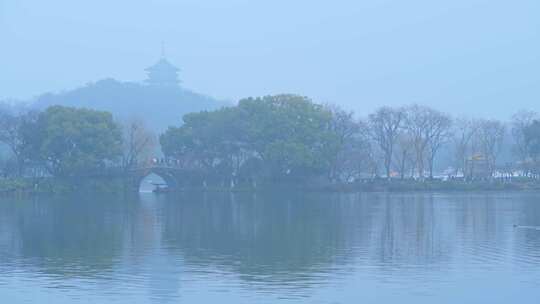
{"x":70,"y":142}
{"x":290,"y":138}
{"x":272,"y":139}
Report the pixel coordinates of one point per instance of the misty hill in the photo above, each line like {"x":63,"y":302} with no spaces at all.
{"x":160,"y":100}
{"x":159,"y":106}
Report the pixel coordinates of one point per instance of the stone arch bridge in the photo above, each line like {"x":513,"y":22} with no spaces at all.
{"x":175,"y":177}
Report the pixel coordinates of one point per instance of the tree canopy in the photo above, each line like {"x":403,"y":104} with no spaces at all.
{"x":282,"y":136}
{"x":73,"y":141}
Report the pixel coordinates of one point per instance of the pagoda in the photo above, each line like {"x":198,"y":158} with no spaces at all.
{"x":163,"y":73}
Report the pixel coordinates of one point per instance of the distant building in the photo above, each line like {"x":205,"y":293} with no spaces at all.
{"x":477,"y":167}
{"x":163,"y":74}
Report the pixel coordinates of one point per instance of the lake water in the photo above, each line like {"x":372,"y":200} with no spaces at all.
{"x":271,"y":248}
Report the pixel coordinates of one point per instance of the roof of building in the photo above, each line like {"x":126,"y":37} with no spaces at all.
{"x":162,"y":65}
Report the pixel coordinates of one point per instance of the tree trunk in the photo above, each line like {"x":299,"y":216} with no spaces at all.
{"x":402,"y":167}
{"x":20,"y":168}
{"x":431,"y":159}
{"x":420,"y":166}
{"x":387,"y":163}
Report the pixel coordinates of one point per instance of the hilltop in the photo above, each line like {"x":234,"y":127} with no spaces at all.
{"x":159,"y":106}
{"x":160,"y":100}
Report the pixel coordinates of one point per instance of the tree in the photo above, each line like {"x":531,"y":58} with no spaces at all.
{"x":138,"y":143}
{"x":385,"y":125}
{"x":292,"y":136}
{"x":404,"y":156}
{"x":428,"y":128}
{"x":438,"y":132}
{"x":354,"y":157}
{"x":491,"y":135}
{"x":15,"y":134}
{"x":350,"y":143}
{"x":208,"y":141}
{"x":532,"y":142}
{"x":178,"y":143}
{"x":77,"y":142}
{"x":416,"y":122}
{"x":465,"y":131}
{"x":521,"y":121}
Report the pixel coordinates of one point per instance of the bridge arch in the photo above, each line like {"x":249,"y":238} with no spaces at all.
{"x":175,"y":177}
{"x":168,"y":176}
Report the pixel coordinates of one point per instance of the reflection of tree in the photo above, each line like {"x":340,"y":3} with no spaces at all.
{"x":264,"y":237}
{"x":284,"y":241}
{"x":528,"y":214}
{"x":69,"y":237}
{"x":431,"y":230}
{"x":408,"y":230}
{"x":281,"y":238}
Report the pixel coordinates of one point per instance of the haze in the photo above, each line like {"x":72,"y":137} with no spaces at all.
{"x":468,"y":57}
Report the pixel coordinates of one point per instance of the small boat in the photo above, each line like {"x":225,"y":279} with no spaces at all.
{"x":527,"y":227}
{"x":160,"y":188}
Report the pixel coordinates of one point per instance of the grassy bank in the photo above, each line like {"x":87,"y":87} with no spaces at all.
{"x":116,"y":185}
{"x":59,"y":186}
{"x":434,"y":185}
{"x":385,"y":186}
{"x":14,"y":185}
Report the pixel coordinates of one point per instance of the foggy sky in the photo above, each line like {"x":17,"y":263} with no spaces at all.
{"x":479,"y":57}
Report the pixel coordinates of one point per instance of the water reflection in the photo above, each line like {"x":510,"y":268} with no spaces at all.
{"x":70,"y":237}
{"x":266,"y":246}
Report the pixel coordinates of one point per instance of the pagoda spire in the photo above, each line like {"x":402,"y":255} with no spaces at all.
{"x":163,"y":49}
{"x":163,"y":73}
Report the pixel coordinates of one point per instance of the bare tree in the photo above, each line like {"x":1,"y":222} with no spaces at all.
{"x":342,"y":123}
{"x":490,"y":136}
{"x":429,"y":129}
{"x":520,"y":123}
{"x":416,"y":123}
{"x":385,"y":125}
{"x":439,"y":132}
{"x":349,"y":140}
{"x":355,"y":160}
{"x":465,"y":131}
{"x":138,"y":143}
{"x":404,"y":155}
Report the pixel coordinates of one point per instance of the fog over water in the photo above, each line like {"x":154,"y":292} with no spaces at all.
{"x":474,"y":57}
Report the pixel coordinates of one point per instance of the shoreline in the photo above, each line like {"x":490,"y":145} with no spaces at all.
{"x":15,"y":187}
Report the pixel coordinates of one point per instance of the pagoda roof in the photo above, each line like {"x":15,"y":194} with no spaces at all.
{"x":161,"y":65}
